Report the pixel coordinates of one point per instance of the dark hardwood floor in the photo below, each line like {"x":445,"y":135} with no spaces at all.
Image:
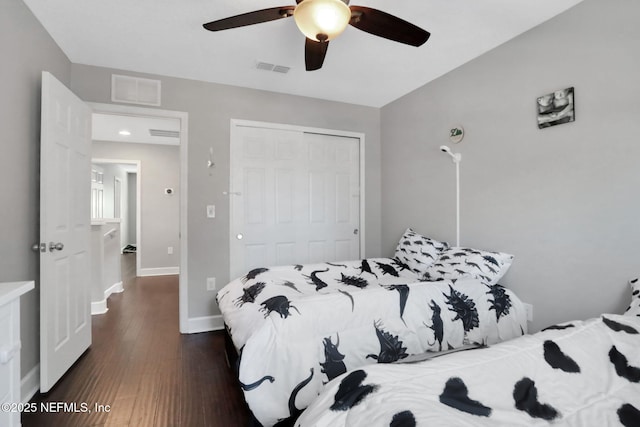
{"x":144,"y":369}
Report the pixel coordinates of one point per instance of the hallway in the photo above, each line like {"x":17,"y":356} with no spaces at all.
{"x":142,"y":371}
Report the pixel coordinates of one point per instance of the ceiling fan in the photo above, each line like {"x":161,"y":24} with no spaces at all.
{"x":323,"y":20}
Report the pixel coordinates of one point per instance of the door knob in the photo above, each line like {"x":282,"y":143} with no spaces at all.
{"x":39,"y":247}
{"x":55,"y":246}
{"x":239,"y":236}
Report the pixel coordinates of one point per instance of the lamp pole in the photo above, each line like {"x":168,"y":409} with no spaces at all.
{"x":455,"y":158}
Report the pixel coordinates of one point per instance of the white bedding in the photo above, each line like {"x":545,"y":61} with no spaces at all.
{"x":298,"y":327}
{"x":583,"y":373}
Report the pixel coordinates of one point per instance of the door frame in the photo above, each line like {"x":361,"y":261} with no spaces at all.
{"x":117,"y":198}
{"x":236,"y":123}
{"x":183,"y":294}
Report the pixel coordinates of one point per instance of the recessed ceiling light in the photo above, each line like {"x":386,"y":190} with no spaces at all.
{"x":124,"y":132}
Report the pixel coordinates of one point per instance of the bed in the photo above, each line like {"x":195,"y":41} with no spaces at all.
{"x":581,"y":373}
{"x":297,"y":327}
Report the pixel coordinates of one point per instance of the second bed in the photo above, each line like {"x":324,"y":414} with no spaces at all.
{"x":297,"y":327}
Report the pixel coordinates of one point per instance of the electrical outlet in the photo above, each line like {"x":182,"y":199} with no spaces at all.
{"x":170,"y":250}
{"x":211,"y":283}
{"x":529,"y":310}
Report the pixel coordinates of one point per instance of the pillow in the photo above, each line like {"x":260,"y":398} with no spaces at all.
{"x":417,"y":251}
{"x":634,"y":306}
{"x":459,"y":262}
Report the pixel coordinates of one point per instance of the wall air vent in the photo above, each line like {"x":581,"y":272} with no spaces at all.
{"x":165,"y":133}
{"x":135,"y":90}
{"x":265,"y":66}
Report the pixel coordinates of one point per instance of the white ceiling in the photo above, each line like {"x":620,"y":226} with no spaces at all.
{"x":107,"y":127}
{"x":166,"y":37}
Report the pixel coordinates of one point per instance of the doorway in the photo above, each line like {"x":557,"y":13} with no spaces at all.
{"x":180,"y":193}
{"x":113,"y":200}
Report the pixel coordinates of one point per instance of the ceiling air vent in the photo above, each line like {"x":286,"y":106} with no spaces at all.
{"x":272,"y":67}
{"x":135,"y":90}
{"x":281,"y":69}
{"x":264,"y":66}
{"x":165,"y":133}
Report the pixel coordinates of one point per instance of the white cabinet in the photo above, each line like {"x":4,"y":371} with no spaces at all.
{"x":10,"y":348}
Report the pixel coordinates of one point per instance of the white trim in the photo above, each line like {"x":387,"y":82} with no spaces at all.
{"x":99,"y":307}
{"x":281,"y":126}
{"x":184,"y":142}
{"x":118,"y":202}
{"x":184,"y":191}
{"x":159,"y":271}
{"x":205,"y":324}
{"x":30,"y":384}
{"x":116,"y":288}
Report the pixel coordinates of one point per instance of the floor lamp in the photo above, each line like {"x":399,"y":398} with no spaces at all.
{"x":456,"y":158}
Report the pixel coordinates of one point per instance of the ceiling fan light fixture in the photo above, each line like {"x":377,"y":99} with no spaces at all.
{"x":322,"y":20}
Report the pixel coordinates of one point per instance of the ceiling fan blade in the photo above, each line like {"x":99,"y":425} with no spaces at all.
{"x":314,"y":53}
{"x":390,"y":27}
{"x":250,"y":18}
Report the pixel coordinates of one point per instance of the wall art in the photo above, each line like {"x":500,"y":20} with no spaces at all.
{"x":556,"y":108}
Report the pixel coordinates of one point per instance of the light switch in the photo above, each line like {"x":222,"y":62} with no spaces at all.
{"x":211,"y":211}
{"x":529,"y":310}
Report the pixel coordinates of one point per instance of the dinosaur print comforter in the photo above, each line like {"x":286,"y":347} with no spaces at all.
{"x":583,"y":374}
{"x":297,"y":327}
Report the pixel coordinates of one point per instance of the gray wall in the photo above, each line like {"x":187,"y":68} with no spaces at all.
{"x":562,"y":199}
{"x":159,"y":212}
{"x":20,"y":82}
{"x":210,"y":108}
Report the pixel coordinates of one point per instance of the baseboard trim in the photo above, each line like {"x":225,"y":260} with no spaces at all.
{"x":99,"y":307}
{"x":160,"y":271}
{"x":205,"y":324}
{"x":115,"y":289}
{"x":30,"y":384}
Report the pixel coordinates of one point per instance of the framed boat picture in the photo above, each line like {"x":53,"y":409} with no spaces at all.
{"x":556,"y":108}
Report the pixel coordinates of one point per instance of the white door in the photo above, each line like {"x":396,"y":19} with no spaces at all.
{"x":65,"y":195}
{"x":295,"y":198}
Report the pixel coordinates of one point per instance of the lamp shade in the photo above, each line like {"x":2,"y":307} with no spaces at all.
{"x":322,"y":20}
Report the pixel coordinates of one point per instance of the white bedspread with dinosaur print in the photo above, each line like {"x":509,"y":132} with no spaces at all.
{"x":297,"y":327}
{"x":580,"y":374}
